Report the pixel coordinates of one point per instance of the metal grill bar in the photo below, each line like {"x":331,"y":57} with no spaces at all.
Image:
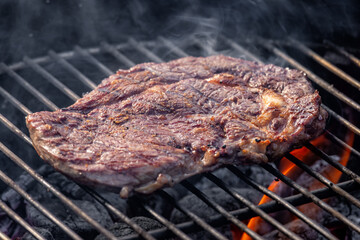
{"x":3,"y":236}
{"x":140,"y":47}
{"x":117,"y":54}
{"x":335,"y":115}
{"x":70,"y":68}
{"x":208,"y":49}
{"x":58,"y":194}
{"x":19,"y":220}
{"x":342,"y":143}
{"x":96,"y":196}
{"x":119,"y":214}
{"x":167,"y":223}
{"x":90,"y":58}
{"x":311,"y":196}
{"x":342,"y":120}
{"x":220,"y":209}
{"x":281,"y":201}
{"x":334,"y":163}
{"x":14,"y":129}
{"x":21,"y":65}
{"x":337,"y":71}
{"x":14,"y":101}
{"x":92,"y":193}
{"x":319,"y":81}
{"x":40,"y":70}
{"x":65,"y":55}
{"x":297,"y":199}
{"x":38,"y":206}
{"x":241,"y":49}
{"x":320,"y":177}
{"x":124,"y":218}
{"x":130,"y":220}
{"x":323,"y":180}
{"x":193,"y":217}
{"x":164,"y":221}
{"x":152,"y":56}
{"x":173,"y":47}
{"x":345,"y":53}
{"x":246,"y":213}
{"x":28,"y":87}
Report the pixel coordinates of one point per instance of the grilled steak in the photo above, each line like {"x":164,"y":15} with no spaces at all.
{"x":156,"y":124}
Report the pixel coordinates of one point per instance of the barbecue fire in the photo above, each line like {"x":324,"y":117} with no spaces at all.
{"x":289,"y":169}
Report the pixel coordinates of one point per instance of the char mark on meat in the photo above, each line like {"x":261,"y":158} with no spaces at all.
{"x":157,"y":124}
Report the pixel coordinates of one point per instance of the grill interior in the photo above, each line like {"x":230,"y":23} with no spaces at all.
{"x":66,"y":76}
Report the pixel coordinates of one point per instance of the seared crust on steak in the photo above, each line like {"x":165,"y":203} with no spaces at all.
{"x":156,"y":124}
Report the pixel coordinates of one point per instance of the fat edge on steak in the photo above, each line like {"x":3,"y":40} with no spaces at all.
{"x":157,"y":124}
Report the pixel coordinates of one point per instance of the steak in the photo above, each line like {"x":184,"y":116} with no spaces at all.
{"x":157,"y":124}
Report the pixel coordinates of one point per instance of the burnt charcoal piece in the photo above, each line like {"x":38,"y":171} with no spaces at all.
{"x":45,"y":233}
{"x":156,"y":124}
{"x":154,"y":201}
{"x":257,"y":173}
{"x":298,"y":227}
{"x":72,"y":220}
{"x":349,"y":211}
{"x":122,"y":229}
{"x":61,"y":211}
{"x":197,"y":206}
{"x":17,"y":203}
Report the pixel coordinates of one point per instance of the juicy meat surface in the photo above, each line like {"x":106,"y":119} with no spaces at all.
{"x":156,"y":124}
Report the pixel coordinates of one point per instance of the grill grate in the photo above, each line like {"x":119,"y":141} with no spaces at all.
{"x":147,"y":50}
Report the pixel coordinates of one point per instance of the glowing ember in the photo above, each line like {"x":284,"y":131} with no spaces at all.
{"x":335,"y":176}
{"x":235,"y":231}
{"x":289,"y":169}
{"x":331,"y":173}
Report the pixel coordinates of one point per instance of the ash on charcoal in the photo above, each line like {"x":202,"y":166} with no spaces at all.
{"x":120,"y":229}
{"x":355,"y":218}
{"x":197,"y":206}
{"x":9,"y":227}
{"x":45,"y":233}
{"x":25,"y":181}
{"x":319,"y":215}
{"x":71,"y":190}
{"x":55,"y":206}
{"x":66,"y":186}
{"x":74,"y":191}
{"x":155,"y":201}
{"x":258,"y":174}
{"x":320,"y":166}
{"x":348,"y":210}
{"x":115,"y":200}
{"x":16,"y":202}
{"x":69,"y":218}
{"x":225,"y":175}
{"x":255,"y":172}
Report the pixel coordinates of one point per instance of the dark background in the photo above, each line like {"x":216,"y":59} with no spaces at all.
{"x":33,"y":27}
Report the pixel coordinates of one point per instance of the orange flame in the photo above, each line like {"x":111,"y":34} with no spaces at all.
{"x":291,"y":170}
{"x":312,"y":210}
{"x":335,"y":176}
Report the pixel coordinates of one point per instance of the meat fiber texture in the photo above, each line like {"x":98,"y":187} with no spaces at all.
{"x":159,"y":123}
